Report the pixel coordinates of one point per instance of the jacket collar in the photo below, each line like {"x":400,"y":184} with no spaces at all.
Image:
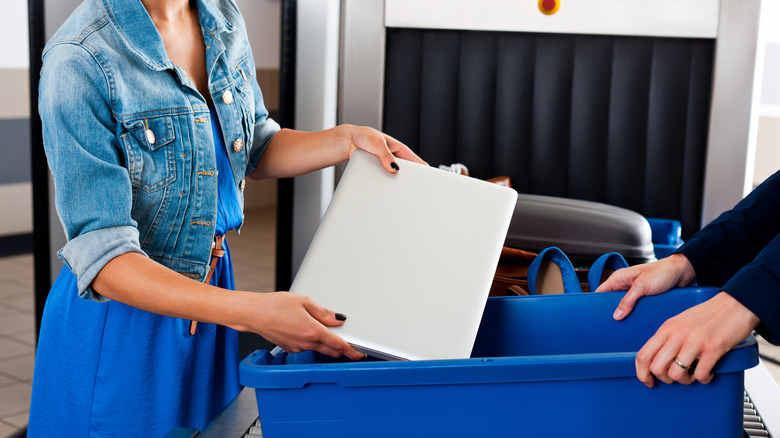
{"x":137,"y":29}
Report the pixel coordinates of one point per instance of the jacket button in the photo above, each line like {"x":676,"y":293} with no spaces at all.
{"x":150,"y":136}
{"x":242,"y":184}
{"x":238,"y":145}
{"x":227,"y":97}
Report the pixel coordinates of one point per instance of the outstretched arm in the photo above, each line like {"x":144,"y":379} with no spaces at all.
{"x":292,"y":153}
{"x":293,"y":322}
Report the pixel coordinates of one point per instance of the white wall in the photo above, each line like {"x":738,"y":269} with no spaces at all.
{"x":13,"y":32}
{"x":14,"y":62}
{"x":768,"y":140}
{"x":16,"y":217}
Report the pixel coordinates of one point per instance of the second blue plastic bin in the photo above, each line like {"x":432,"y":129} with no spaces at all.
{"x":667,"y":236}
{"x":541,"y":366}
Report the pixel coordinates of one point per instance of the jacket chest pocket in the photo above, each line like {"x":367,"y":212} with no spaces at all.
{"x":149,"y":148}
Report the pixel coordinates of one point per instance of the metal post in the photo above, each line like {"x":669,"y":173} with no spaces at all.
{"x":40,"y":172}
{"x":284,"y":198}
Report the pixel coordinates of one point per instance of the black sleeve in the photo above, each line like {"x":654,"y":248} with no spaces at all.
{"x":740,"y":253}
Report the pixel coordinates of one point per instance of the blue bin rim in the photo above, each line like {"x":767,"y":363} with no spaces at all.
{"x":258,"y":371}
{"x":262,"y":370}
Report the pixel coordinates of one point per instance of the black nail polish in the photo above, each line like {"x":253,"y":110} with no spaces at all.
{"x":394,"y":165}
{"x":341,"y":317}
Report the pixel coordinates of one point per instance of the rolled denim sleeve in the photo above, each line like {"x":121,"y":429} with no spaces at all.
{"x":265,"y":127}
{"x":93,"y":193}
{"x":84,"y":261}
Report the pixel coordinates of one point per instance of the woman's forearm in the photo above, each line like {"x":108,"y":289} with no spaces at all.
{"x":292,"y":153}
{"x":294,"y":322}
{"x":140,"y":282}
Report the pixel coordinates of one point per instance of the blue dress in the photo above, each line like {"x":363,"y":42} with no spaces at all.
{"x":108,"y":369}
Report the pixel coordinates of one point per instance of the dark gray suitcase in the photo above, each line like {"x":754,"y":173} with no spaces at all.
{"x":584,"y":230}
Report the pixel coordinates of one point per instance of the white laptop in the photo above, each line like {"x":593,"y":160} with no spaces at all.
{"x":408,"y":257}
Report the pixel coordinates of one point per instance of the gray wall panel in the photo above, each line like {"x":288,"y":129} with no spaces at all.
{"x":15,"y":146}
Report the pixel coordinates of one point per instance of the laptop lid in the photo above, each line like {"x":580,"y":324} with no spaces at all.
{"x":408,"y":257}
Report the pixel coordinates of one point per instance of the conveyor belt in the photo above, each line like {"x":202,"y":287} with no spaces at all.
{"x":754,"y":426}
{"x":255,"y":432}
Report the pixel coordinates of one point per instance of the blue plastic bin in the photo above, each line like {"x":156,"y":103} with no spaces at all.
{"x":542,"y":366}
{"x":666,"y":236}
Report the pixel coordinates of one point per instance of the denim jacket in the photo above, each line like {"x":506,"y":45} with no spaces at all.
{"x":128,"y":138}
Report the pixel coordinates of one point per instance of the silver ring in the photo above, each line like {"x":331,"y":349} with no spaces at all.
{"x":680,"y":364}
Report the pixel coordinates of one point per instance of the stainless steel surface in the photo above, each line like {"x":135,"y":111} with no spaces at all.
{"x":316,"y":85}
{"x":736,"y":93}
{"x":736,"y":81}
{"x":361,"y":86}
{"x":672,"y":18}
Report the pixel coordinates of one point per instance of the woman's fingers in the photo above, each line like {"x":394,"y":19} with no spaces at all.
{"x":323,"y":315}
{"x":296,"y":323}
{"x":688,"y":346}
{"x":631,"y":278}
{"x":330,"y":341}
{"x":648,"y":279}
{"x":400,"y":150}
{"x":645,"y":357}
{"x":629,"y":300}
{"x":622,"y":279}
{"x":383,"y":146}
{"x":664,"y":359}
{"x":386,"y":158}
{"x":375,"y":143}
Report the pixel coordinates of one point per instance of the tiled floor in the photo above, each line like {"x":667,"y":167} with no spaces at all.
{"x":253,"y":261}
{"x":17,"y":341}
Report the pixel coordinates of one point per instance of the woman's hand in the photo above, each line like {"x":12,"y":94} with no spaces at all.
{"x":703,"y":333}
{"x":294,"y":322}
{"x":386,"y":148}
{"x":648,"y":279}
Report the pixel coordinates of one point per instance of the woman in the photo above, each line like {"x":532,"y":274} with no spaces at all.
{"x":739,"y":252}
{"x":152,"y":118}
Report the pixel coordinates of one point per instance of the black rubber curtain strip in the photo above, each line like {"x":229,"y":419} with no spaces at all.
{"x":614,"y":119}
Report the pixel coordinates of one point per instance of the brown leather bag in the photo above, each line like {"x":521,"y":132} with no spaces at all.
{"x":511,"y":276}
{"x":512,"y":273}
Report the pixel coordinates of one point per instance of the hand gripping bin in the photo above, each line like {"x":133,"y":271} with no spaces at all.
{"x":541,"y":366}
